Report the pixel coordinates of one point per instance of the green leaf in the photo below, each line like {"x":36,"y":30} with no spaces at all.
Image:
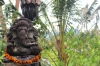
{"x":1,"y":2}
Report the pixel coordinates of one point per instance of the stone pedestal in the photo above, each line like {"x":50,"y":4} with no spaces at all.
{"x":14,"y":64}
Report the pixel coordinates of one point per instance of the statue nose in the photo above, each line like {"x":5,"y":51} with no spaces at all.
{"x":23,"y":34}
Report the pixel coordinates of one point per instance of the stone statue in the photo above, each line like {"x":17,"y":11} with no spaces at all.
{"x":22,"y":43}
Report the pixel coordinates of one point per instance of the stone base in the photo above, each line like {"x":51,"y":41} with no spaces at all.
{"x":13,"y":64}
{"x":10,"y":63}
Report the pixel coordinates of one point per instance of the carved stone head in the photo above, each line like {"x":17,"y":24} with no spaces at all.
{"x":22,"y":38}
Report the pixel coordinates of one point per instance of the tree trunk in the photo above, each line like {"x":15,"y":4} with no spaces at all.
{"x":17,"y":4}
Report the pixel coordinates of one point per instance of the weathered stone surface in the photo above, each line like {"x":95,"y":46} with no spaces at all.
{"x":22,"y":42}
{"x":13,"y":64}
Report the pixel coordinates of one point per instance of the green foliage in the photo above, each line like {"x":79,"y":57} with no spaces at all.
{"x":70,"y":4}
{"x":1,"y":2}
{"x":2,"y":48}
{"x":42,"y":29}
{"x":10,"y":11}
{"x":83,"y":49}
{"x":49,"y":55}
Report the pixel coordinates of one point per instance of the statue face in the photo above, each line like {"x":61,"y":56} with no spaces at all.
{"x":22,"y":32}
